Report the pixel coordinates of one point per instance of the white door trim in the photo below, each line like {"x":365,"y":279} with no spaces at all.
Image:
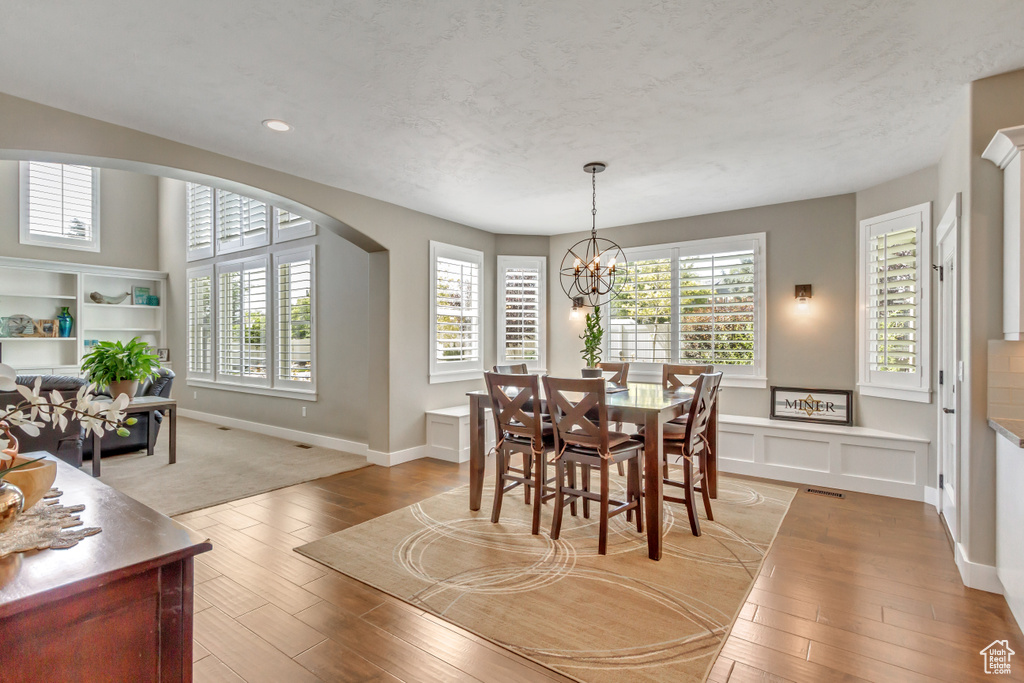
{"x":947,"y":234}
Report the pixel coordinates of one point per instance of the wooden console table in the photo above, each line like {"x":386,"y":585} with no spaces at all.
{"x":149,"y":405}
{"x":116,"y":607}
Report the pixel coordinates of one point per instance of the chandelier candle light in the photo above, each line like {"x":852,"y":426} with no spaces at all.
{"x":589,"y":268}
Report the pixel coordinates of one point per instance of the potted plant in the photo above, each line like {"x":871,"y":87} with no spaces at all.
{"x":592,"y":336}
{"x":120,"y":367}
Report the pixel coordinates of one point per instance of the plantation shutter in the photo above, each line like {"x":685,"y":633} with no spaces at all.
{"x":717,"y":313}
{"x":59,"y":205}
{"x":893,"y":301}
{"x":241,"y":222}
{"x":199,"y":217}
{"x":295,"y":308}
{"x":289,"y":226}
{"x":640,"y":314}
{"x":229,"y":323}
{"x":200,"y":323}
{"x":254,"y":320}
{"x":458,"y":310}
{"x":520,"y":306}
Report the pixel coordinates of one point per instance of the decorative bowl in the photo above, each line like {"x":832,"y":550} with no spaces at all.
{"x":104,"y":299}
{"x":34,"y":480}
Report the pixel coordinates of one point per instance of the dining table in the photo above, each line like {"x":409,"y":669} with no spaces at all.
{"x":643,"y":404}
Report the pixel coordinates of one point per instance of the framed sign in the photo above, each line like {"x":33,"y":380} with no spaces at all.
{"x":827,"y":406}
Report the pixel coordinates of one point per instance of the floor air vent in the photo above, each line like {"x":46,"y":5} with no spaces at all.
{"x":224,"y":429}
{"x":302,"y":445}
{"x":825,"y":492}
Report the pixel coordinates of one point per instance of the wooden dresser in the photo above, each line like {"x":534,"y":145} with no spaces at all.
{"x":116,"y":607}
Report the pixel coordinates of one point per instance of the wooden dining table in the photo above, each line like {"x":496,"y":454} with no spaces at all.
{"x":642,"y":404}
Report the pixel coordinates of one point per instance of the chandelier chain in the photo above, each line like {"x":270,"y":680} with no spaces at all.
{"x":593,"y":211}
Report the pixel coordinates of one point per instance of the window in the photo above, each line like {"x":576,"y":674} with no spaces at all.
{"x":242,"y":222}
{"x":199,"y":219}
{"x":60,"y":205}
{"x":200,"y":322}
{"x":295,"y":317}
{"x":291,"y":226}
{"x":893,"y":287}
{"x":695,"y":302}
{"x":521,"y":304}
{"x":455,"y":335}
{"x":242,"y":321}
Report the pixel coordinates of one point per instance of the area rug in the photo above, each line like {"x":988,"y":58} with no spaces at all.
{"x":594,"y":618}
{"x":215,"y":466}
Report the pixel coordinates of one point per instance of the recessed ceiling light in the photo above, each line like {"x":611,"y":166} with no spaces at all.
{"x":278,"y":125}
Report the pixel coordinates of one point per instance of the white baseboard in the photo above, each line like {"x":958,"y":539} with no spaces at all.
{"x":931,"y":496}
{"x":320,"y":440}
{"x":395,"y":457}
{"x":983,"y":577}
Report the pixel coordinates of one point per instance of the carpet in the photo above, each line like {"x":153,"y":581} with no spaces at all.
{"x":215,"y":466}
{"x":594,"y":618}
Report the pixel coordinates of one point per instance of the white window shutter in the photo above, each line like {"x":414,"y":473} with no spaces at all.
{"x":242,"y":222}
{"x":456,"y":343}
{"x":290,"y":226}
{"x":521,"y":310}
{"x":640,"y":315}
{"x":295,"y":317}
{"x":200,"y":323}
{"x":229,"y":322}
{"x":60,"y":205}
{"x":717,"y":312}
{"x":199,"y":220}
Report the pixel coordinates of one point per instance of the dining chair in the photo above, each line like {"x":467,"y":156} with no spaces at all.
{"x":620,"y":371}
{"x":514,"y":369}
{"x":673,"y":374}
{"x":581,"y":441}
{"x":689,"y":442}
{"x":520,"y":430}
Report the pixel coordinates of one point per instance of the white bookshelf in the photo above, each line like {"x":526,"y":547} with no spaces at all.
{"x":39,"y":289}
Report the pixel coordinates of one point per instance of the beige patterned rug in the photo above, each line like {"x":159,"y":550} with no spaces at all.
{"x":613,"y":618}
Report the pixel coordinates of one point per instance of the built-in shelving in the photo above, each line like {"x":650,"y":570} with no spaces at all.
{"x":4,"y":340}
{"x":118,"y":329}
{"x":133,"y":306}
{"x":65,"y":297}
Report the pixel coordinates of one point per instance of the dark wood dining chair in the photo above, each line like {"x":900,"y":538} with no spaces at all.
{"x":620,"y":371}
{"x":519,"y":429}
{"x":689,"y":444}
{"x":514,"y":369}
{"x":581,"y":441}
{"x":675,"y":375}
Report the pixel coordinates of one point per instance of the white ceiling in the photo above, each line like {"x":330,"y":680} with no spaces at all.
{"x":484,"y":111}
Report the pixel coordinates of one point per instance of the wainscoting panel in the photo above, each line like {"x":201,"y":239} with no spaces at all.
{"x":851,"y":458}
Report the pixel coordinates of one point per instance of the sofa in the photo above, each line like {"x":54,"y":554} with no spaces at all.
{"x":70,"y":444}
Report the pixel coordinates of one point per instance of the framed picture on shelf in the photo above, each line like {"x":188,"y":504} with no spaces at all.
{"x":825,"y":406}
{"x":46,"y":328}
{"x":140,"y":296}
{"x":164,"y":355}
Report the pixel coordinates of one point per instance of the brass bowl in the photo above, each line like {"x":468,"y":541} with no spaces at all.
{"x":34,"y":480}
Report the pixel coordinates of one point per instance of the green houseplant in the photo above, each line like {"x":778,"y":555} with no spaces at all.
{"x":120,"y":367}
{"x":592,"y":336}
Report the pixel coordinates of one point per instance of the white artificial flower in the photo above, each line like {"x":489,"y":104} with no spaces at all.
{"x":7,"y":377}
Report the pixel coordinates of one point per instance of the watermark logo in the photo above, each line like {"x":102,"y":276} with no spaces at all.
{"x":997,"y":657}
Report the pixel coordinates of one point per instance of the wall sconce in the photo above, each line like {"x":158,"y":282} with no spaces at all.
{"x":803,"y":295}
{"x":577,"y":308}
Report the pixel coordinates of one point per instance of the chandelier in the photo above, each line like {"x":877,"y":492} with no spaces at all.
{"x":589,"y":269}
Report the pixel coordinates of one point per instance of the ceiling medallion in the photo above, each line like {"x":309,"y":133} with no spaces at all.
{"x":590,"y":268}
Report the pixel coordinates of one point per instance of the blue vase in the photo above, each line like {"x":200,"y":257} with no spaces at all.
{"x":65,"y":322}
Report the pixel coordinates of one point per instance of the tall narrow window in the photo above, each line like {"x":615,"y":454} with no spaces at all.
{"x":455,"y":339}
{"x":295,"y":317}
{"x":521,"y":307}
{"x":200,"y":322}
{"x":199,"y":220}
{"x":60,"y":205}
{"x":242,"y":313}
{"x":894,"y":340}
{"x":698,"y":302}
{"x":242,"y":222}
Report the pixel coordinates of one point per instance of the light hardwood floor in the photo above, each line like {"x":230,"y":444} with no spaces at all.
{"x":862,"y":588}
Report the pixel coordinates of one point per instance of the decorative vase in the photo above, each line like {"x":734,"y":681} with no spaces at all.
{"x":124,"y":386}
{"x":12,"y":502}
{"x":592,"y":373}
{"x":32,"y":480}
{"x":64,"y":322}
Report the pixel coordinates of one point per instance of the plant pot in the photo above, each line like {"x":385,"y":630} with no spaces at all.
{"x":33,"y":480}
{"x":592,"y":373}
{"x":12,"y":502}
{"x":124,"y":386}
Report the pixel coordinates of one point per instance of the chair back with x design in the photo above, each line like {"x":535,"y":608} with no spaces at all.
{"x":620,"y":371}
{"x":573,"y":403}
{"x":704,"y":397}
{"x":514,"y":369}
{"x":513,"y":401}
{"x":675,"y":376}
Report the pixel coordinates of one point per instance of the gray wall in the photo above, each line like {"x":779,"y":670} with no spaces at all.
{"x":127,"y":221}
{"x":807,"y":242}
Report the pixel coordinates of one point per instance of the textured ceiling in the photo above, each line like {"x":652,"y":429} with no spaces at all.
{"x":484,"y":111}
